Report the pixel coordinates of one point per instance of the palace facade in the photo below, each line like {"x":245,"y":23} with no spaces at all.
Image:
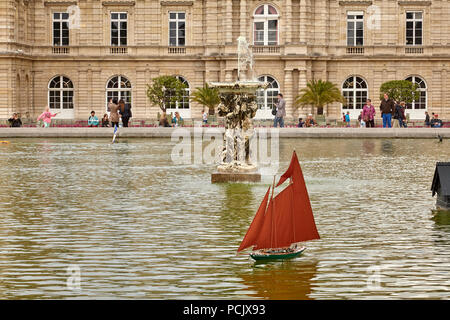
{"x":75,"y":54}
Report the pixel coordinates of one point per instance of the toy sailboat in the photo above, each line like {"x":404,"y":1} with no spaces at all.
{"x":283,"y":221}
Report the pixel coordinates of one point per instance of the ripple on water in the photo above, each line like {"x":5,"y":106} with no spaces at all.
{"x":138,"y":226}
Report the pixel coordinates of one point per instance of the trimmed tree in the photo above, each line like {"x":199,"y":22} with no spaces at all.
{"x":165,"y":91}
{"x":400,"y":90}
{"x":207,"y":97}
{"x":318,"y":94}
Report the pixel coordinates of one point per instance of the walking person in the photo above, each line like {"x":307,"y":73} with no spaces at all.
{"x":125,"y":112}
{"x":281,"y":112}
{"x":387,"y":108}
{"x":47,"y":116}
{"x":114,"y":114}
{"x":368,"y":114}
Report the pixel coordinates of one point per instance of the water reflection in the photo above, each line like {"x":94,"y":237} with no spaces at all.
{"x":387,"y":147}
{"x":237,"y":206}
{"x":281,"y":280}
{"x":441,"y":218}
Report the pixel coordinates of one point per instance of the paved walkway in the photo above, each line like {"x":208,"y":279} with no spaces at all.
{"x":156,"y":132}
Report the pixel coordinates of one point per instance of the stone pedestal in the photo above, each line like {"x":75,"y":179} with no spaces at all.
{"x":218,"y":177}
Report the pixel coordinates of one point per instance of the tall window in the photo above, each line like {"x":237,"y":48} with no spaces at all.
{"x":414,"y":28}
{"x":355,"y":28}
{"x":184,"y":102}
{"x":60,"y":29}
{"x":118,"y":28}
{"x":266,"y":99}
{"x":118,"y":87}
{"x":265,"y":26}
{"x":355,"y":92}
{"x":422,"y":102}
{"x":60,"y":93}
{"x":177,"y":28}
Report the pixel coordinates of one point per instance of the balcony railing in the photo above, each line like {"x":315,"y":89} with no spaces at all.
{"x":414,"y":50}
{"x":60,"y":50}
{"x":118,"y":50}
{"x":266,"y":49}
{"x":176,"y":50}
{"x":355,"y":50}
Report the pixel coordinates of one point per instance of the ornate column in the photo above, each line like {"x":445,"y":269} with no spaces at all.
{"x":228,"y":21}
{"x":288,"y":21}
{"x":243,"y":19}
{"x":288,"y":86}
{"x":302,"y":21}
{"x":302,"y":80}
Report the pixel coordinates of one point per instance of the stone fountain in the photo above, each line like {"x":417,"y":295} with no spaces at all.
{"x":238,"y":107}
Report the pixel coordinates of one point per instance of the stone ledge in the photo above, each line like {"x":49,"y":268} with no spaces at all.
{"x":157,"y":132}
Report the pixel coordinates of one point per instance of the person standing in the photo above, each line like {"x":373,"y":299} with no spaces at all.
{"x":114,"y":114}
{"x":125,"y":112}
{"x":427,"y":119}
{"x":14,"y":121}
{"x":347,"y":119}
{"x":387,"y":108}
{"x":205,"y":116}
{"x":46,"y":117}
{"x":368,"y":114}
{"x":400,"y":114}
{"x":281,"y":112}
{"x":93,"y":120}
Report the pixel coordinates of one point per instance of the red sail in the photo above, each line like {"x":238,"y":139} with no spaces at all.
{"x":301,"y":225}
{"x":254,"y":230}
{"x":288,"y":219}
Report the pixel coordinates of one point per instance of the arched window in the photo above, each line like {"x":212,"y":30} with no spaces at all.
{"x":422,"y":102}
{"x":355,"y":92}
{"x":265,"y":26}
{"x":184,"y":103}
{"x":266,"y":99}
{"x":118,"y":87}
{"x":60,"y":93}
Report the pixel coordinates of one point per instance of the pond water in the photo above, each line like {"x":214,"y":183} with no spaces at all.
{"x":132,"y":224}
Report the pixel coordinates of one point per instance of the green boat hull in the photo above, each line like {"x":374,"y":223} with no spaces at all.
{"x":279,"y":256}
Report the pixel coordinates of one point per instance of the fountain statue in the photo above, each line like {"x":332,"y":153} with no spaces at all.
{"x":238,"y":106}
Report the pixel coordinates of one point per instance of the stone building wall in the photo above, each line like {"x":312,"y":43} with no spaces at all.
{"x":311,"y":45}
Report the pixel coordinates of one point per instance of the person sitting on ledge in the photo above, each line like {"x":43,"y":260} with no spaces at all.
{"x":301,"y":123}
{"x":163,"y":121}
{"x":14,"y":121}
{"x":93,"y":120}
{"x":436,"y":122}
{"x":310,"y":122}
{"x":177,"y":119}
{"x":105,"y":120}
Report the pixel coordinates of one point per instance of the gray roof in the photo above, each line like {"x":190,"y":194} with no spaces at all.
{"x":441,"y":178}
